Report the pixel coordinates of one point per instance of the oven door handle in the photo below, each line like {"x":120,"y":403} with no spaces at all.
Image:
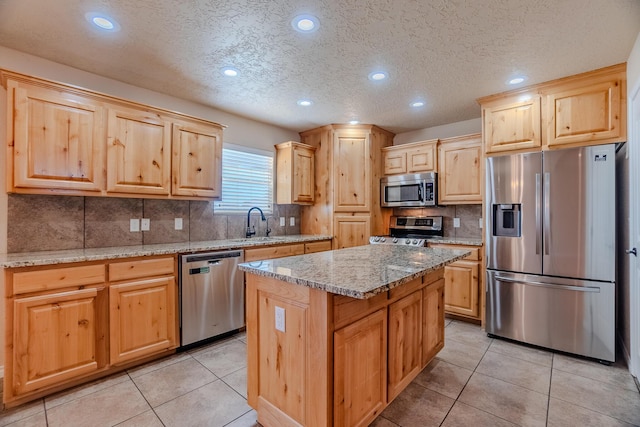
{"x":420,"y":194}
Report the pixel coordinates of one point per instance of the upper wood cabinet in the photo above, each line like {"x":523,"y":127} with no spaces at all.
{"x":67,"y":140}
{"x":57,"y":139}
{"x":415,"y":157}
{"x":460,"y":174}
{"x":197,"y":160}
{"x":138,"y":152}
{"x":352,"y":172}
{"x":584,"y":109}
{"x":295,"y":172}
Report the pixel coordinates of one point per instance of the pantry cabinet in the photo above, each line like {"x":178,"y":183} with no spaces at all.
{"x":584,"y":109}
{"x":138,"y":152}
{"x":72,"y":141}
{"x":58,"y":140}
{"x":461,"y":169}
{"x":295,"y":169}
{"x":415,"y":157}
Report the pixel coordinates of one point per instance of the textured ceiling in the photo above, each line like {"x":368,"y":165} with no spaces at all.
{"x":446,"y":52}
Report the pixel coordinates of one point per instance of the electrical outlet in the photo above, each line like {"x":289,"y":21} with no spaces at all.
{"x":282,"y":221}
{"x":145,"y":224}
{"x":480,"y":224}
{"x":178,"y":223}
{"x":456,"y":222}
{"x":280,"y":319}
{"x":134,"y":225}
{"x":292,"y":221}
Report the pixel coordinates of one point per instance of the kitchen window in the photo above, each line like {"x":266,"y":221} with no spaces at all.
{"x":247,"y":180}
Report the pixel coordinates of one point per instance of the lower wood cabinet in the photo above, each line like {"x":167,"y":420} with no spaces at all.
{"x":279,"y":251}
{"x":83,"y":320}
{"x":432,"y":320}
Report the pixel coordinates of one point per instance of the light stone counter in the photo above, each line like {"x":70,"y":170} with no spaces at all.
{"x":469,"y":241}
{"x":359,"y":272}
{"x":27,"y":259}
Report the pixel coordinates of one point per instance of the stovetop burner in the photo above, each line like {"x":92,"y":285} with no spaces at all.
{"x":410,"y":231}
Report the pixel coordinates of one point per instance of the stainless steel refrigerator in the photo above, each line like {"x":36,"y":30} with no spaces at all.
{"x":550,"y":239}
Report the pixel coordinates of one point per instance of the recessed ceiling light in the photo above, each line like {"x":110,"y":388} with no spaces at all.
{"x":516,"y":80}
{"x":354,"y":122}
{"x":102,"y":21}
{"x":305,"y":23}
{"x":417,"y":104}
{"x":377,"y":75}
{"x":305,"y":102}
{"x":230,"y":71}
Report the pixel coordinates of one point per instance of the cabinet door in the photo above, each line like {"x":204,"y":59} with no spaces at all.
{"x":55,"y":338}
{"x":432,"y":320}
{"x":351,"y":230}
{"x":422,"y":159}
{"x":512,"y":124}
{"x":59,"y":140}
{"x":303,"y":171}
{"x":405,"y":342}
{"x":587,"y":114}
{"x":321,"y":246}
{"x":460,"y":176}
{"x":360,"y":366}
{"x":256,"y":254}
{"x":352,"y":173}
{"x":394,"y":161}
{"x":461,"y":288}
{"x":197,"y":161}
{"x":142,"y":318}
{"x":138,"y":152}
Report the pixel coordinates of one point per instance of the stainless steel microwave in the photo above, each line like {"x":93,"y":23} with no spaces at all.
{"x":411,"y":190}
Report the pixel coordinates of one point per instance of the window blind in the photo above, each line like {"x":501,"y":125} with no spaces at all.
{"x":247,"y":180}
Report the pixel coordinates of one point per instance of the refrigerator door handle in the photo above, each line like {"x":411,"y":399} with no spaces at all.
{"x":549,"y":285}
{"x":538,"y":215}
{"x":547,"y":212}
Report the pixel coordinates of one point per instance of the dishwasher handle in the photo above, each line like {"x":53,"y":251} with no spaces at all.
{"x":210,"y":256}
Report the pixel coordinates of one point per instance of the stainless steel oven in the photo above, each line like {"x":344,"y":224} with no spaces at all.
{"x":412,"y":190}
{"x":410,"y":231}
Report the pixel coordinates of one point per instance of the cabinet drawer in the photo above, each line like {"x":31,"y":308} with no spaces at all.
{"x":140,"y":268}
{"x":475,"y":251}
{"x":347,"y":310}
{"x":311,"y":247}
{"x":44,"y":280}
{"x":273,"y":252}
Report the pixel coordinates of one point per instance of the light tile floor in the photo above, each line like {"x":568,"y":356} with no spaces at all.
{"x":474,"y":381}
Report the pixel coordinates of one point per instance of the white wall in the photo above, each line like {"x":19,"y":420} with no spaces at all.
{"x":240,"y":130}
{"x":445,"y":131}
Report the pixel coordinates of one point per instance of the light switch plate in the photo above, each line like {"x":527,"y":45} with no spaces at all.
{"x":178,"y":223}
{"x":480,"y":222}
{"x":456,"y":222}
{"x":282,"y":221}
{"x":145,"y":224}
{"x":292,"y":221}
{"x":134,"y":225}
{"x":280,"y":322}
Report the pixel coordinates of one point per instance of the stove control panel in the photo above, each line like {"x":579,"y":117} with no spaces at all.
{"x":401,"y":241}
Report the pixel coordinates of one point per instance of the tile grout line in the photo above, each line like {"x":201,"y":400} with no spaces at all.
{"x":145,"y":399}
{"x":553,"y":358}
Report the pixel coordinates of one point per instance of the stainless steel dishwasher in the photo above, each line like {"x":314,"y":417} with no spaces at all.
{"x":211,"y":295}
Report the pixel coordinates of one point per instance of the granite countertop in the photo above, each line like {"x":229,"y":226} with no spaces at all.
{"x":359,"y":272}
{"x":469,"y":241}
{"x":27,"y":259}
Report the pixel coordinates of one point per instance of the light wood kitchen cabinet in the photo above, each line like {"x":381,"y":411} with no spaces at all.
{"x":415,"y":157}
{"x":271,"y":252}
{"x":464,"y":289}
{"x":512,"y":124}
{"x":351,"y":230}
{"x":348,"y":162}
{"x":360,"y":361}
{"x":197,"y":160}
{"x":584,"y":109}
{"x":58,"y":139}
{"x":73,"y":141}
{"x":319,"y":246}
{"x":433,"y":307}
{"x":138,"y":152}
{"x":461,"y":168}
{"x":405,"y":342}
{"x":295,"y":173}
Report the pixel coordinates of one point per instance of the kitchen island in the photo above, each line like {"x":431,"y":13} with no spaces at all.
{"x":334,"y":337}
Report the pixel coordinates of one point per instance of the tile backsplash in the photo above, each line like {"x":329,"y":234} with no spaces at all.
{"x":469,"y":215}
{"x":44,"y":223}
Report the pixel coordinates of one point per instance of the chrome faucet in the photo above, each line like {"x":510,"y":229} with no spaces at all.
{"x":249,"y":231}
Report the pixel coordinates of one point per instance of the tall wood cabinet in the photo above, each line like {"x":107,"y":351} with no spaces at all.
{"x":584,"y":109}
{"x":348,"y":163}
{"x":67,"y":140}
